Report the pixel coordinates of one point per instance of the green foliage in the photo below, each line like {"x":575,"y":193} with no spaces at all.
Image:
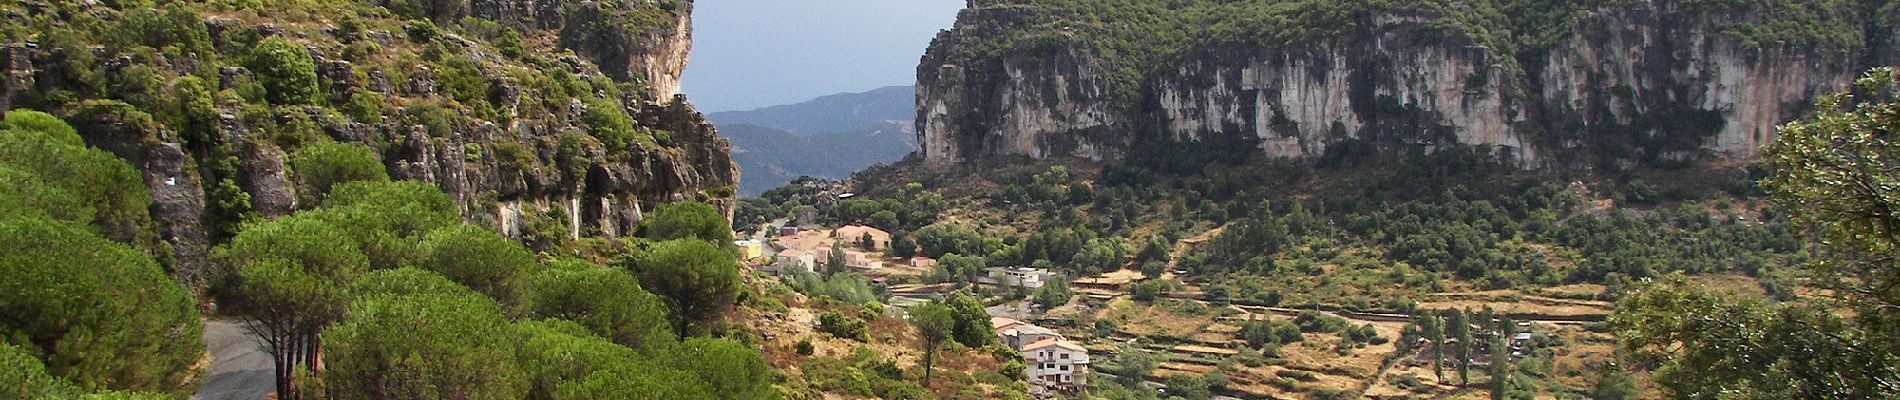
{"x":1614,"y":384}
{"x":387,"y":220}
{"x":935,"y":323}
{"x":287,"y":71}
{"x":609,"y":302}
{"x":23,"y":193}
{"x":973,"y":328}
{"x":958,"y":268}
{"x":1703,"y":345}
{"x":1311,"y":322}
{"x":318,"y":168}
{"x":365,"y":106}
{"x":1149,"y":290}
{"x":696,"y":280}
{"x":428,"y":346}
{"x":846,"y":287}
{"x":99,"y":314}
{"x":1054,"y":293}
{"x":841,"y":325}
{"x":32,"y":121}
{"x":553,"y":352}
{"x":733,"y":370}
{"x":302,"y":258}
{"x":940,"y":239}
{"x":687,"y":220}
{"x":406,"y":281}
{"x":478,"y":258}
{"x":115,"y":193}
{"x":27,"y":378}
{"x":1834,"y":172}
{"x":433,"y":11}
{"x":1131,"y":365}
{"x":461,"y":78}
{"x":1188,"y":387}
{"x":902,"y":246}
{"x":510,"y":44}
{"x":287,"y":277}
{"x":1270,"y":332}
{"x":636,"y":380}
{"x":607,"y":120}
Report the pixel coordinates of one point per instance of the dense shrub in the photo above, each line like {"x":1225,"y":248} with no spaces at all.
{"x":841,"y":325}
{"x":287,"y":71}
{"x":609,"y":302}
{"x":99,"y":313}
{"x":318,"y":168}
{"x":478,"y":258}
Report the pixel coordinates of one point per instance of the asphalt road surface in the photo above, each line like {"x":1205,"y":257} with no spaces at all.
{"x":242,"y":370}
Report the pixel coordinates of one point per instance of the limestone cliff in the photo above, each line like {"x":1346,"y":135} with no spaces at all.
{"x":1618,"y":84}
{"x":533,"y":115}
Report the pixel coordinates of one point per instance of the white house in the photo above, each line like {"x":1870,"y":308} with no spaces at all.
{"x":1017,"y":334}
{"x":1017,"y":276}
{"x":862,"y":260}
{"x":1056,"y":362}
{"x":1053,"y":361}
{"x":803,"y":258}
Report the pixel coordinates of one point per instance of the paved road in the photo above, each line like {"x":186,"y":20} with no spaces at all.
{"x":242,"y":370}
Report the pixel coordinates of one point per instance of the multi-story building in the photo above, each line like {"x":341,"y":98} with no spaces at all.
{"x":1052,"y":360}
{"x":1056,"y":362}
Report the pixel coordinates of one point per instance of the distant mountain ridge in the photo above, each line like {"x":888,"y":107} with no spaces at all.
{"x":830,"y":136}
{"x":830,"y":114}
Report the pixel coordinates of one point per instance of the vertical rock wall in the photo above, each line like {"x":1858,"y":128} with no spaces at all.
{"x":1659,"y":82}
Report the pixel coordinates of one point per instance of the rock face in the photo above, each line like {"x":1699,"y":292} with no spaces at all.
{"x":510,"y":155}
{"x":1633,"y":83}
{"x":178,"y":197}
{"x":650,"y":47}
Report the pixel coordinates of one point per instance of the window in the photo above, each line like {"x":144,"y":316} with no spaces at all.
{"x":1065,"y":368}
{"x":1065,"y":356}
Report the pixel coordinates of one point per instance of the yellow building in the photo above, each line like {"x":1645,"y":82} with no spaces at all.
{"x":750,"y":249}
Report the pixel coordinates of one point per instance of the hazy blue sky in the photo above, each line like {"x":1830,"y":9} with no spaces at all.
{"x":754,"y":53}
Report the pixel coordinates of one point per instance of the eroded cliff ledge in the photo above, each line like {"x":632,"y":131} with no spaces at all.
{"x":1594,"y":85}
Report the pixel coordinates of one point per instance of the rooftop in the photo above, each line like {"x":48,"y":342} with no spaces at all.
{"x":1054,"y":342}
{"x":1003,"y":323}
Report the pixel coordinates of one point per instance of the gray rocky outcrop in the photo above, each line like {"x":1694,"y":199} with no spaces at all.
{"x":1658,"y":82}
